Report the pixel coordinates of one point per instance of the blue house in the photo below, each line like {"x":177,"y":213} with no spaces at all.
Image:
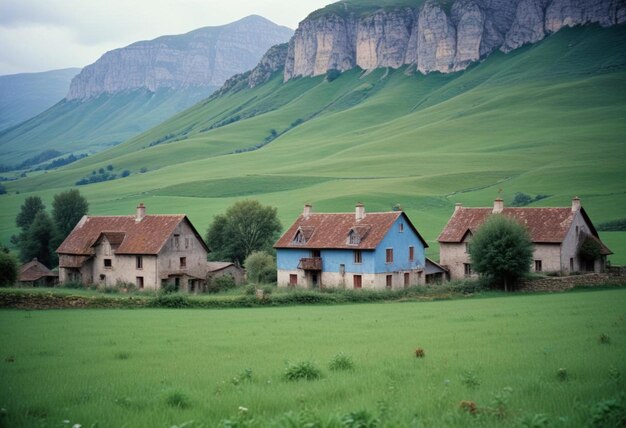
{"x":351,"y":250}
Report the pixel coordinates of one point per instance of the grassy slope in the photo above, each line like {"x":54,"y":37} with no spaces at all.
{"x":119,"y":368}
{"x":25,"y":95}
{"x":546,"y":119}
{"x":94,"y":125}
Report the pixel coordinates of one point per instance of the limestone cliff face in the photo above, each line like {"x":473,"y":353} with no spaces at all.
{"x":204,"y":57}
{"x":433,"y":37}
{"x":273,"y":61}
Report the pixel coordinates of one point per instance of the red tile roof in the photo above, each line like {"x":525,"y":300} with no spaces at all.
{"x":545,"y":225}
{"x":330,"y":230}
{"x":33,"y":271}
{"x":144,"y":237}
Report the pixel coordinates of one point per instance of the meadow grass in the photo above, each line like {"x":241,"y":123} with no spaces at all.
{"x":158,"y":367}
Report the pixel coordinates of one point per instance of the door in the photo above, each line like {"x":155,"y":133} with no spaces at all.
{"x":407,"y":279}
{"x":357,"y":281}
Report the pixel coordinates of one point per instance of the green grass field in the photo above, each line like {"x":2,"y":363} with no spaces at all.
{"x":158,"y":368}
{"x":546,"y":119}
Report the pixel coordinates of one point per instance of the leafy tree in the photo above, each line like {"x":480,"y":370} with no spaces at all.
{"x":501,"y":250}
{"x":67,"y":209}
{"x":3,"y":189}
{"x":38,"y":240}
{"x":521,"y":199}
{"x":260,"y":266}
{"x":8,"y":269}
{"x":246,"y":226}
{"x":29,"y":209}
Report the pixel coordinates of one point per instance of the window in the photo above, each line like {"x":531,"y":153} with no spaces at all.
{"x":108,"y":263}
{"x":293,"y":280}
{"x":354,"y":238}
{"x":389,"y":255}
{"x":183,"y":262}
{"x":316,"y":253}
{"x":411,"y":253}
{"x":401,"y":227}
{"x":177,"y":241}
{"x":139,"y":281}
{"x":468,"y":269}
{"x":537,"y":265}
{"x":186,"y":242}
{"x":389,"y":281}
{"x":357,"y":280}
{"x":407,"y":279}
{"x":358,"y":257}
{"x":139,"y":262}
{"x":299,"y":238}
{"x":342,"y":269}
{"x":467,"y":248}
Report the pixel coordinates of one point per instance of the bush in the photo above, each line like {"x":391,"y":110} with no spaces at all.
{"x":303,"y":370}
{"x":178,"y":399}
{"x":250,"y":290}
{"x":170,"y":301}
{"x":332,"y":74}
{"x":501,"y":251}
{"x":221,"y":283}
{"x":8,"y":269}
{"x":341,"y":362}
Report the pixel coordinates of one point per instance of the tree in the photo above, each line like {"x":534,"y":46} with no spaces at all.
{"x":8,"y":269}
{"x":501,"y":250}
{"x":260,"y":267}
{"x":38,"y":240}
{"x":29,"y":209}
{"x":3,"y":190}
{"x":246,"y":226}
{"x":67,"y":209}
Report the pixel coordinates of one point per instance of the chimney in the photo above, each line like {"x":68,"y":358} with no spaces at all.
{"x":360,"y":211}
{"x":457,"y":206}
{"x":308,"y":210}
{"x":575,"y":204}
{"x":498,"y":206}
{"x":141,"y":212}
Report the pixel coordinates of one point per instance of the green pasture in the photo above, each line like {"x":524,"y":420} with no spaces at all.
{"x":546,"y":119}
{"x":161,"y":368}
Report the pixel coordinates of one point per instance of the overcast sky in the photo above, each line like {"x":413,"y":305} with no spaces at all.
{"x":41,"y":35}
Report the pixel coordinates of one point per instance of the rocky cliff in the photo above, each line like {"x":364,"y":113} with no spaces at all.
{"x":433,"y":35}
{"x":204,"y":57}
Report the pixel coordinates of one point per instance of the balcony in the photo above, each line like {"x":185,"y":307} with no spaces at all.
{"x":310,"y":263}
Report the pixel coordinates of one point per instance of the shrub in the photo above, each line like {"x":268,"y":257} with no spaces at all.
{"x":604,"y":339}
{"x":8,"y":269}
{"x":74,"y":285}
{"x":469,"y":406}
{"x":125,"y":173}
{"x":3,"y":189}
{"x":122,"y":355}
{"x":169,"y":288}
{"x":419,"y":353}
{"x":470,"y":380}
{"x":258,"y":265}
{"x":178,"y":399}
{"x":303,"y":370}
{"x":267,"y":290}
{"x":250,"y":290}
{"x":341,"y":362}
{"x":332,"y":74}
{"x":221,"y":283}
{"x":170,"y":301}
{"x":561,"y":374}
{"x":608,"y":413}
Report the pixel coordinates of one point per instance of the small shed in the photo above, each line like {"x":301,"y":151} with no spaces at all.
{"x":435,"y":273}
{"x":35,"y":274}
{"x":217,"y":269}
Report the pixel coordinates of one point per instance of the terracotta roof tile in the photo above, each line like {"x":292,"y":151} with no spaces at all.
{"x":330,"y":230}
{"x":545,"y":225}
{"x":34,"y":270}
{"x":144,"y":237}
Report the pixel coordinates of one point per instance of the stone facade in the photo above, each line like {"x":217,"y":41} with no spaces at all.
{"x":556,"y":253}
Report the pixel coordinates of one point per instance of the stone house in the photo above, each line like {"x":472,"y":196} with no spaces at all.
{"x":150,"y":251}
{"x":351,"y":250}
{"x":36,"y":274}
{"x":557,"y":235}
{"x":219,"y":269}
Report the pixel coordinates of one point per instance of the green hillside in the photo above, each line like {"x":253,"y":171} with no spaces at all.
{"x":94,"y":124}
{"x":546,"y":119}
{"x":25,"y":95}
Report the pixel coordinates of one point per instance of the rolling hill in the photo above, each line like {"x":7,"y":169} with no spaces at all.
{"x":544,"y":119}
{"x":25,"y":95}
{"x":131,"y":89}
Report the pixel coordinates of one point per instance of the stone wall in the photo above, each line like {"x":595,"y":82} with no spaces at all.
{"x":564,"y":283}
